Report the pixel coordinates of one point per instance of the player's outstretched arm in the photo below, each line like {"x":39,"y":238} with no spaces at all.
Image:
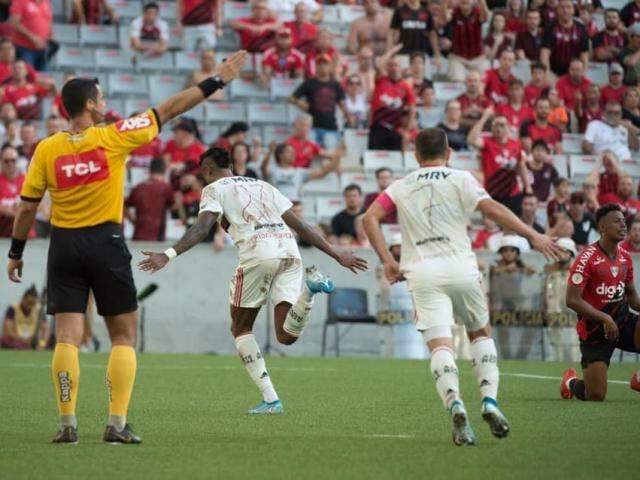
{"x":22,"y":223}
{"x":579,"y":305}
{"x":371,"y":222}
{"x":310,"y":235}
{"x":193,"y":236}
{"x":508,"y":220}
{"x":189,"y":98}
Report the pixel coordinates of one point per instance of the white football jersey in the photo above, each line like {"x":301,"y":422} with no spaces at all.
{"x":434,"y":205}
{"x":254,"y":211}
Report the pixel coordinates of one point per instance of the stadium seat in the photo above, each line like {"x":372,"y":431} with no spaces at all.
{"x":102,"y":35}
{"x":113,"y":59}
{"x":465,"y":161}
{"x":117,"y":105}
{"x":329,"y":184}
{"x":235,"y":10}
{"x":210,"y":134}
{"x":64,"y":33}
{"x":243,"y":88}
{"x":582,"y":165}
{"x":127,"y":9}
{"x":156,"y":63}
{"x":198,"y":113}
{"x":283,"y":87}
{"x":367,"y":182}
{"x":430,"y":117}
{"x":330,"y":14}
{"x":409,"y":160}
{"x":175,"y":38}
{"x":73,"y":58}
{"x":267,"y":113}
{"x":167,"y":10}
{"x":617,"y":4}
{"x":128,"y":84}
{"x":374,"y":159}
{"x":228,"y":40}
{"x":561,"y":164}
{"x":134,"y":105}
{"x":309,"y":208}
{"x":522,"y":70}
{"x":598,"y":73}
{"x":187,"y":61}
{"x":572,"y":143}
{"x":632,"y":166}
{"x":58,"y":8}
{"x":345,"y":305}
{"x":350,"y":13}
{"x":446,"y":91}
{"x":163,"y":86}
{"x":225,"y":112}
{"x":275,"y":133}
{"x":356,"y":141}
{"x":327,"y":207}
{"x":340,"y":40}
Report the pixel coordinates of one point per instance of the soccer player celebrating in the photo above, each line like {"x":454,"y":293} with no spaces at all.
{"x":84,"y":171}
{"x":601,"y":291}
{"x":260,"y":220}
{"x":433,"y":205}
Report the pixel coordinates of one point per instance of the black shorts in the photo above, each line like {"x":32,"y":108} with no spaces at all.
{"x":383,"y":139}
{"x":92,"y":258}
{"x":598,"y":349}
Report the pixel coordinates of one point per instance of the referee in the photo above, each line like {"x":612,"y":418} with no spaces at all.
{"x":84,"y":171}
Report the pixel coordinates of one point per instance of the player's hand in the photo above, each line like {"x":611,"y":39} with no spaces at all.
{"x":392,"y":272}
{"x":231,"y":67}
{"x":14,"y":270}
{"x":153,"y":262}
{"x":610,"y":329}
{"x":547,"y":247}
{"x":349,"y":260}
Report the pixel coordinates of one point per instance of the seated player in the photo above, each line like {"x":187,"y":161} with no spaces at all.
{"x":260,"y":220}
{"x":601,"y":291}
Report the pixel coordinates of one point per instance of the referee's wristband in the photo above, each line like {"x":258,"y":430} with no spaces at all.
{"x":17,"y":247}
{"x":171,"y":253}
{"x":211,"y":85}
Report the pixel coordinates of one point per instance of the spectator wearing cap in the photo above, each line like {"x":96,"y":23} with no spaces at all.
{"x":542,"y":173}
{"x":560,"y":201}
{"x":203,"y":17}
{"x":236,"y":132}
{"x":8,"y":59}
{"x":515,"y":109}
{"x":452,"y":125}
{"x":631,"y":106}
{"x":585,"y":231}
{"x":93,"y":12}
{"x":185,"y":146}
{"x":372,"y":29}
{"x":614,"y":90}
{"x":496,"y":81}
{"x":611,"y":133}
{"x":24,"y":95}
{"x":630,"y":13}
{"x":529,"y":213}
{"x":384,"y":178}
{"x":473,"y":101}
{"x":630,"y":56}
{"x":564,"y":40}
{"x":590,"y":109}
{"x":31,"y":22}
{"x":303,"y":31}
{"x":466,"y":33}
{"x":282,"y":60}
{"x":539,"y":85}
{"x":320,"y":96}
{"x":529,"y":41}
{"x":632,"y":243}
{"x":539,"y":129}
{"x":256,"y":32}
{"x":624,"y":197}
{"x":572,"y":87}
{"x":608,"y":43}
{"x":305,"y":149}
{"x":148,"y":33}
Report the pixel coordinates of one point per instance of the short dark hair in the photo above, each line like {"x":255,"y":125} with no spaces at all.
{"x":350,"y":187}
{"x":416,"y":54}
{"x":219,"y":157}
{"x":578,"y":197}
{"x":157,"y":165}
{"x":605,"y":210}
{"x":431,"y":143}
{"x":77,"y":92}
{"x":538,"y":66}
{"x":540,"y":143}
{"x":32,"y":291}
{"x":559,"y":181}
{"x":516,"y":82}
{"x":609,"y":10}
{"x":382,"y":170}
{"x":149,"y":6}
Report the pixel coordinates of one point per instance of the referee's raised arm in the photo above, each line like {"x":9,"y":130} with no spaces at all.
{"x":189,"y":98}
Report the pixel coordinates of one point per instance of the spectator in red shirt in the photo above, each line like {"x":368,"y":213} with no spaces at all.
{"x":590,"y":109}
{"x":614,"y":90}
{"x":204,"y":18}
{"x":7,"y":60}
{"x":384,"y":178}
{"x":564,"y":40}
{"x":630,"y":13}
{"x":497,"y":40}
{"x":503,"y":161}
{"x":632,"y":243}
{"x":184,"y":146}
{"x":539,"y":128}
{"x":282,"y":60}
{"x":466,"y":31}
{"x":303,"y":31}
{"x":529,"y":41}
{"x":516,"y":111}
{"x":539,"y":84}
{"x":148,"y":203}
{"x":473,"y":102}
{"x":560,"y":201}
{"x":390,"y":98}
{"x":11,"y":181}
{"x":496,"y":81}
{"x":515,"y":14}
{"x":548,"y":11}
{"x":324,"y":46}
{"x":624,"y":198}
{"x":306,"y":150}
{"x":488,"y":237}
{"x":24,"y":95}
{"x":31,"y":21}
{"x":606,"y":174}
{"x":256,"y":32}
{"x":237,"y":132}
{"x":573,"y":86}
{"x":542,"y":173}
{"x":608,"y":44}
{"x":93,"y":12}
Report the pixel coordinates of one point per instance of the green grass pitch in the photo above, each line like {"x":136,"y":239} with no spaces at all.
{"x":345,"y":419}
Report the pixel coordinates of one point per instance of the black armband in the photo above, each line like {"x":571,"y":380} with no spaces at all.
{"x":17,"y":247}
{"x":211,"y":85}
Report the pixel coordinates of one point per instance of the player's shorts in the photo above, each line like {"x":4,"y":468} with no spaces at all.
{"x":93,"y":258}
{"x":438,"y":301}
{"x":596,"y":348}
{"x":279,"y":279}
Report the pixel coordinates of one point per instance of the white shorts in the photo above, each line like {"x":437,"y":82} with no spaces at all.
{"x":200,"y":37}
{"x":279,"y":279}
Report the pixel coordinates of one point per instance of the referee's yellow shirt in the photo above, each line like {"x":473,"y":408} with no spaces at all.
{"x":85,"y":172}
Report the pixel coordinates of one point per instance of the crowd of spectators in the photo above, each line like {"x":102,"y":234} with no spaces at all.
{"x":382,"y":80}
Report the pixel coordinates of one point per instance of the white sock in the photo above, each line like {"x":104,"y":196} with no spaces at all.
{"x":298,"y":315}
{"x":254,"y":363}
{"x":117,"y":421}
{"x":445,"y":372}
{"x":485,"y":364}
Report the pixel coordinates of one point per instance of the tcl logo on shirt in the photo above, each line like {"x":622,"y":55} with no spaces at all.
{"x":134,"y":123}
{"x":611,"y":292}
{"x":81,"y":169}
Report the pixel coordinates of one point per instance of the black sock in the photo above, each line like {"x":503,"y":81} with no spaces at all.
{"x":577,"y":388}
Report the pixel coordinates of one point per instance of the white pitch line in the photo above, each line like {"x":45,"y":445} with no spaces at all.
{"x":385,"y":435}
{"x":175,"y":367}
{"x":545,"y":377}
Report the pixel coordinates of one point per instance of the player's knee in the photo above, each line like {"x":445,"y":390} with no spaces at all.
{"x":284,"y":338}
{"x":239,"y":330}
